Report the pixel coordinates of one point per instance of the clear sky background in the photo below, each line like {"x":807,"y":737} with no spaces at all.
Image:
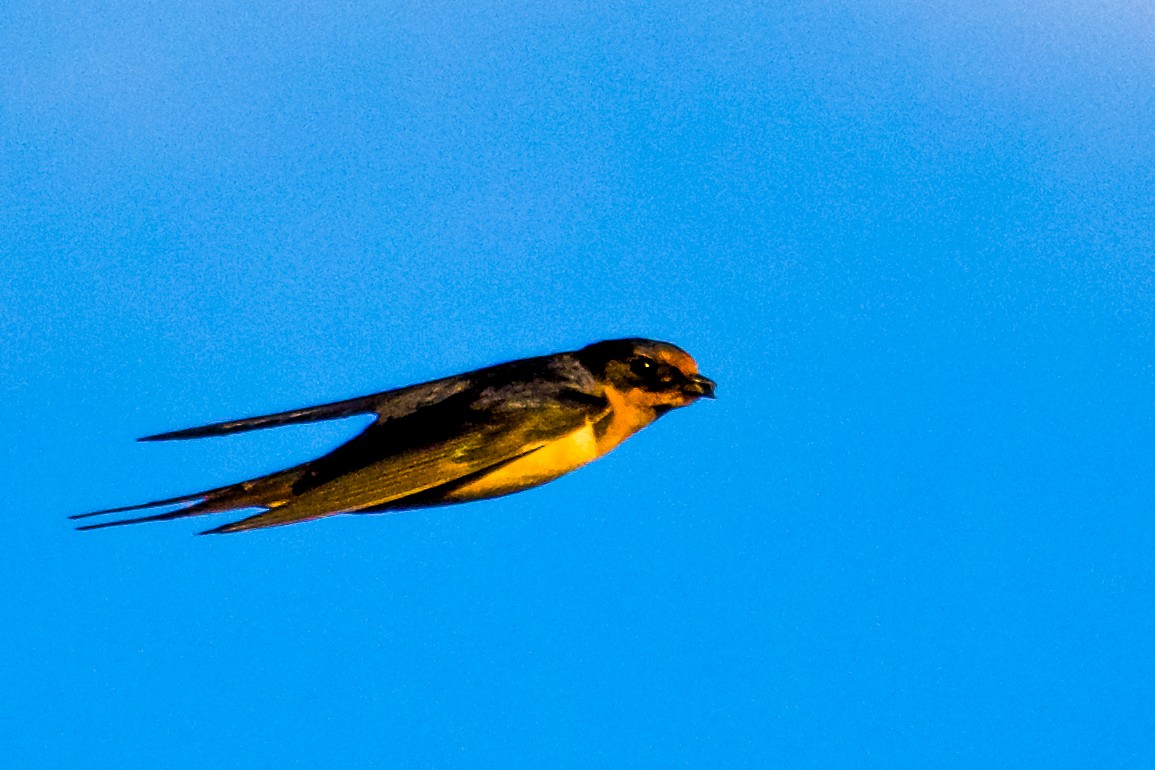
{"x":913,"y":245}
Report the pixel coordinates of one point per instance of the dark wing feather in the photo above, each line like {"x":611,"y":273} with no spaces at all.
{"x":477,"y":448}
{"x":376,"y":486}
{"x":426,"y":436}
{"x":195,"y":497}
{"x":387,"y":404}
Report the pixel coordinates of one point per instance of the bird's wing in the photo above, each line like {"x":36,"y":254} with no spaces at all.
{"x":475,"y":448}
{"x":387,"y":405}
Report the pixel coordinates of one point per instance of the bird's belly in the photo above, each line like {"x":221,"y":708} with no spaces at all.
{"x":555,"y":459}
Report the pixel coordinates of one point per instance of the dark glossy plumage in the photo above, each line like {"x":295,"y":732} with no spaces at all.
{"x":480,"y":434}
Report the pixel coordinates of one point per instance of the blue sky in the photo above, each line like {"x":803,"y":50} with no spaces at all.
{"x":913,"y":245}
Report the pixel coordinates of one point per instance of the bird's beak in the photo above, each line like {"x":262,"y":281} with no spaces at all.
{"x":699,"y":386}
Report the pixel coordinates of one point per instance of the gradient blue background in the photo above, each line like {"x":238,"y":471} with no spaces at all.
{"x":912,"y":244}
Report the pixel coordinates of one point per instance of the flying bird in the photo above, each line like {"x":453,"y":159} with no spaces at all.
{"x":482,"y":434}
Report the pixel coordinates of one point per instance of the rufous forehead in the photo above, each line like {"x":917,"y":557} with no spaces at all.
{"x":678,"y":358}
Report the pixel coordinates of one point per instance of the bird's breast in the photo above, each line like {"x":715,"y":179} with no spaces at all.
{"x":554,"y":459}
{"x":560,"y":456}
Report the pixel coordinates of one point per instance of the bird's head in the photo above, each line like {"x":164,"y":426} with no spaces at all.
{"x":647,"y":373}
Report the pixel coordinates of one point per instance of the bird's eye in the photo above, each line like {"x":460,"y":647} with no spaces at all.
{"x":643,"y":367}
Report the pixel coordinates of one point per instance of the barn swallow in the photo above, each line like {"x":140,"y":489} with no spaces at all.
{"x":477,"y":435}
